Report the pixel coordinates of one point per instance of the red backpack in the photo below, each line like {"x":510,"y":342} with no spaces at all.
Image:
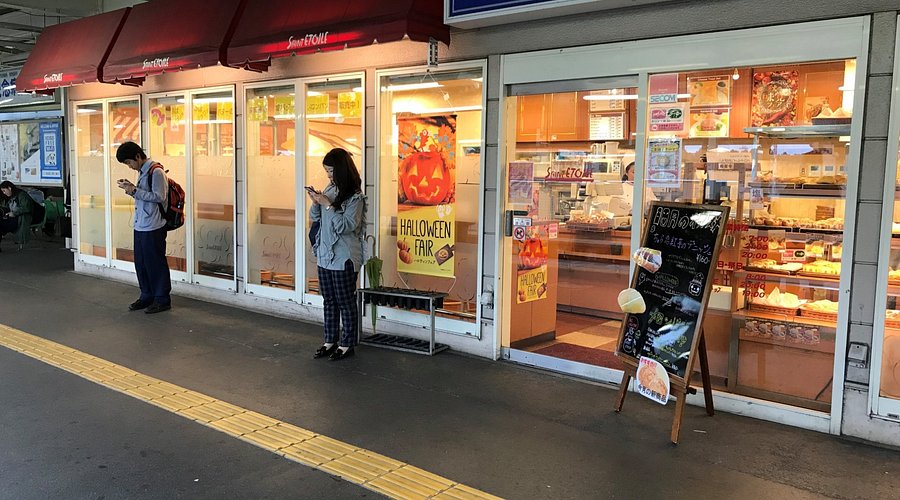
{"x":173,"y":211}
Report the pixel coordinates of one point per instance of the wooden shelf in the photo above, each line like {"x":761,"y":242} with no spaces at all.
{"x":793,"y":279}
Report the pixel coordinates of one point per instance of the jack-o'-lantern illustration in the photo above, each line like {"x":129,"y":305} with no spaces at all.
{"x":532,"y":254}
{"x":426,"y":179}
{"x":427,"y":160}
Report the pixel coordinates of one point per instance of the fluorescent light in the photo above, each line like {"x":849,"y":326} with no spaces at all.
{"x":204,"y":122}
{"x":845,"y":88}
{"x":479,"y":79}
{"x":283,"y":117}
{"x":86,"y":111}
{"x":411,"y":86}
{"x":119,"y":126}
{"x":311,"y":93}
{"x":419,"y":110}
{"x":206,"y":100}
{"x":609,"y":97}
{"x":325,"y":115}
{"x":357,"y":89}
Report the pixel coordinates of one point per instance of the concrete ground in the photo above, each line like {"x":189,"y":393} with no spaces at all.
{"x":507,"y":430}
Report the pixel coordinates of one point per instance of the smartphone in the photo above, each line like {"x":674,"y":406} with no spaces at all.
{"x":311,"y":189}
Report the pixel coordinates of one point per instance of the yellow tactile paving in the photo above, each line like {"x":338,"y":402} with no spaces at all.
{"x":368,"y":469}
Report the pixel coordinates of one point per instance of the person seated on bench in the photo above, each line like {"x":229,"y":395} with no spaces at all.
{"x":18,"y":210}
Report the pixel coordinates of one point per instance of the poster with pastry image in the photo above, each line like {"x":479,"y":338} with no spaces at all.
{"x":653,"y":380}
{"x":774,"y":98}
{"x":709,"y":122}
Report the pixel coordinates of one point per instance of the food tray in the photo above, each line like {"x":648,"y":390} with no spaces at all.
{"x":773,"y":185}
{"x":784,"y":311}
{"x":832,"y":121}
{"x":892,"y":323}
{"x":813,"y":185}
{"x":586,"y":226}
{"x":893,"y":282}
{"x":755,"y":269}
{"x":808,"y":274}
{"x":823,"y":316}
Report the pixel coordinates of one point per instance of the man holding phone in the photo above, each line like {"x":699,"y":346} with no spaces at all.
{"x":150,"y":262}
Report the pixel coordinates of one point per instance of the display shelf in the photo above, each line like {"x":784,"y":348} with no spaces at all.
{"x":791,"y":279}
{"x":802,"y":191}
{"x":787,"y":229}
{"x":801,"y":131}
{"x":824,"y":346}
{"x":744,"y":314}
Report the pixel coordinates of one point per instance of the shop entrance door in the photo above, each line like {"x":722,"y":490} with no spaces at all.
{"x":569,"y":196}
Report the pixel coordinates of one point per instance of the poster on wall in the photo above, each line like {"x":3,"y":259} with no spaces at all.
{"x":51,"y":144}
{"x":531,"y":264}
{"x":9,"y":153}
{"x":29,"y":153}
{"x":521,"y":179}
{"x":667,"y":118}
{"x":664,"y":160}
{"x":426,"y":195}
{"x":710,"y":91}
{"x":774,"y":98}
{"x":709,"y":122}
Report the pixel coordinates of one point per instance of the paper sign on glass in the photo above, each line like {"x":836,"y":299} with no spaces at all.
{"x":653,"y":380}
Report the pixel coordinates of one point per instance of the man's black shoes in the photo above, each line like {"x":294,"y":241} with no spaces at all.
{"x":138,"y":304}
{"x":157,"y":307}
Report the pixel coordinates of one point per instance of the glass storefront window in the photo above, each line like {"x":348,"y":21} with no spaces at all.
{"x":166,"y":145}
{"x":571,"y":180}
{"x":90,"y":150}
{"x":332,"y":119}
{"x":430,"y":183}
{"x":212,"y":166}
{"x":124,"y":121}
{"x":271,"y":193}
{"x":890,"y":350}
{"x":773,"y":144}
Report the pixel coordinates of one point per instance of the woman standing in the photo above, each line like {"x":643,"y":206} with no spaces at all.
{"x":340,"y":210}
{"x":17,"y":217}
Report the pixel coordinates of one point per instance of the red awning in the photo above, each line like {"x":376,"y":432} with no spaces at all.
{"x":277,"y":28}
{"x":171,"y":35}
{"x":71,"y":53}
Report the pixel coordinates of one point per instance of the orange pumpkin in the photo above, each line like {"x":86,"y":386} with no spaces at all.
{"x":426,"y":179}
{"x":532,"y":254}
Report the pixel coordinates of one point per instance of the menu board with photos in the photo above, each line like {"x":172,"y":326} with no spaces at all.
{"x":688,"y":238}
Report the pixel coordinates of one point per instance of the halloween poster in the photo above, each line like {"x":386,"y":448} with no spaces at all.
{"x":531,"y":264}
{"x":426,"y":195}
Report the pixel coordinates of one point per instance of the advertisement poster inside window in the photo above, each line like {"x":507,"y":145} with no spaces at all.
{"x":257,"y":109}
{"x":667,"y":118}
{"x":710,"y":91}
{"x":426,"y":195}
{"x":531,"y":264}
{"x":350,"y":104}
{"x":774,"y":102}
{"x":664,"y":163}
{"x":30,"y":153}
{"x":521,"y":180}
{"x":709,"y":122}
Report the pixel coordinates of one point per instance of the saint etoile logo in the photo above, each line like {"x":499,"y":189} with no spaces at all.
{"x":309,"y":40}
{"x":159,"y":62}
{"x":53,"y":78}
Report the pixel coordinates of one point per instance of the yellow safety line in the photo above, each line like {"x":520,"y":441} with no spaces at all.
{"x":368,"y":469}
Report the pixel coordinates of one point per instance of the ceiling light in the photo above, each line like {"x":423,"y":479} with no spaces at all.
{"x":735,"y":75}
{"x":411,"y":86}
{"x":609,"y":97}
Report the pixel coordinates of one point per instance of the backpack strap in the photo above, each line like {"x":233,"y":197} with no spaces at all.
{"x":154,"y":166}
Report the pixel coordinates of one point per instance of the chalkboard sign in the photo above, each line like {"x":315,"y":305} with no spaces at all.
{"x":688,"y":237}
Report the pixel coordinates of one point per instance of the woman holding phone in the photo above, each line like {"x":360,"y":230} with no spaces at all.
{"x":340,"y":211}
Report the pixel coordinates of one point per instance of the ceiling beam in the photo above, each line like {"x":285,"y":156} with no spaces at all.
{"x":16,"y":44}
{"x":21,"y":27}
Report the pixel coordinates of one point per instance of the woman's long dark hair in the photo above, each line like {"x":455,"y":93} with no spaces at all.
{"x":11,"y":186}
{"x":346,"y":176}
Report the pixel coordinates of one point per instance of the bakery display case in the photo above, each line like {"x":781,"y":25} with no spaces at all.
{"x":786,"y":263}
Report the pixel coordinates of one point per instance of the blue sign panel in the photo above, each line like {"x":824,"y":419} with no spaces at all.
{"x":467,"y":7}
{"x":51,"y":149}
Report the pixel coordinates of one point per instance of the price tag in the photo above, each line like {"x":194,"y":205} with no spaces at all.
{"x":793,"y":255}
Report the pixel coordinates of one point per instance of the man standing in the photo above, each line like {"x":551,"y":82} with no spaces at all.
{"x":149,"y":228}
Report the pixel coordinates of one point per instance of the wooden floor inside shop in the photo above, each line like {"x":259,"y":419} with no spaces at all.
{"x":584,"y":339}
